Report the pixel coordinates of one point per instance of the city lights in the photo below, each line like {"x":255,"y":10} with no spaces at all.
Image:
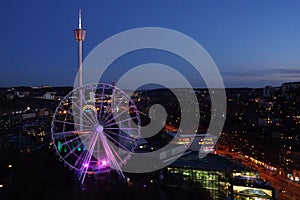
{"x":119,"y":126}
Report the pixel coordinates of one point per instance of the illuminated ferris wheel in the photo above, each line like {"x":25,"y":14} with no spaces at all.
{"x":95,"y":129}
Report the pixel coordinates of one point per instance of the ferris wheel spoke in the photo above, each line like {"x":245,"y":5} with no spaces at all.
{"x":81,"y":159}
{"x":110,"y":154}
{"x":120,"y":122}
{"x":91,"y":143}
{"x":94,"y":117}
{"x":70,"y":141}
{"x":121,"y":128}
{"x":63,"y":134}
{"x":119,"y":135}
{"x":87,"y":158}
{"x":83,"y":132}
{"x":63,"y":122}
{"x":114,"y":151}
{"x":116,"y":116}
{"x":71,"y":151}
{"x":117,"y":142}
{"x":79,"y":138}
{"x":77,"y":117}
{"x":66,"y":122}
{"x":106,"y":115}
{"x":98,"y":148}
{"x":71,"y":133}
{"x":74,"y":148}
{"x":109,"y":115}
{"x":80,"y":110}
{"x":84,"y":168}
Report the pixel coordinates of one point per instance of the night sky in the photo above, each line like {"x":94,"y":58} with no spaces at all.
{"x":254,"y":43}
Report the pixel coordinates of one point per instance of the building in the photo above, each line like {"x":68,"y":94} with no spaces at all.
{"x":49,"y":95}
{"x":287,"y":87}
{"x":205,"y":143}
{"x":221,"y":177}
{"x":268,"y":91}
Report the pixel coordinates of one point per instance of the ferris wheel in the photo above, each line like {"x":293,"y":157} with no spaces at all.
{"x":95,"y":129}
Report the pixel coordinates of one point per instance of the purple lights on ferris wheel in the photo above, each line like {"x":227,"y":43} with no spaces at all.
{"x":92,"y":149}
{"x":101,"y":164}
{"x":85,"y":165}
{"x":104,"y":162}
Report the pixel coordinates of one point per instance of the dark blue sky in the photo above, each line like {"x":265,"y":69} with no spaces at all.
{"x":254,"y":43}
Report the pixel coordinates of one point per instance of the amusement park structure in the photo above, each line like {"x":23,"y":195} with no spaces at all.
{"x":96,"y":127}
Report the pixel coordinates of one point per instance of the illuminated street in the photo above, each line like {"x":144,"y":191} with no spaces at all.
{"x":286,"y":189}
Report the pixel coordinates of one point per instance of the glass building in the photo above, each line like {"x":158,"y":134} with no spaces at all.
{"x":215,"y":173}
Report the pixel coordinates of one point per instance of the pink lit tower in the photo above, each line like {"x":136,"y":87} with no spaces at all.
{"x":79,"y":36}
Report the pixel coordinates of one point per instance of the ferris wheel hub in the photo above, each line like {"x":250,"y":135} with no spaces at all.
{"x":99,"y":129}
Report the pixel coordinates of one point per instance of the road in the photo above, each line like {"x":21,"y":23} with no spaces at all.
{"x":287,"y":190}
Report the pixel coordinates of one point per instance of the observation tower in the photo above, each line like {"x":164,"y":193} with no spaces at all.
{"x":96,"y":127}
{"x":79,"y":36}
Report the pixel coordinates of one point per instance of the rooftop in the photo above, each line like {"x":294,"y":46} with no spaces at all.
{"x":210,"y":162}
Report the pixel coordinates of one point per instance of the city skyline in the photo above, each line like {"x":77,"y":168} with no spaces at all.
{"x":254,"y":44}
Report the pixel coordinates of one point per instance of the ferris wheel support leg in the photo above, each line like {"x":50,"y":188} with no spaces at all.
{"x":87,"y":159}
{"x":110,"y":155}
